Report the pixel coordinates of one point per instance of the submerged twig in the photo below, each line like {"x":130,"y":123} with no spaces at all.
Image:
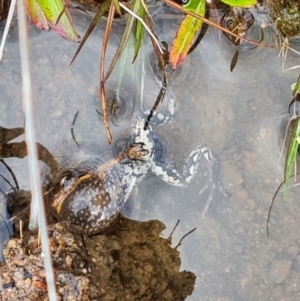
{"x":183,"y":237}
{"x":37,"y":204}
{"x":12,"y":187}
{"x":72,"y":128}
{"x":163,"y":60}
{"x":11,"y":173}
{"x":177,"y":223}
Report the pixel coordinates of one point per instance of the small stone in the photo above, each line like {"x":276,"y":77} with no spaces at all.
{"x":27,"y":282}
{"x":280,"y":270}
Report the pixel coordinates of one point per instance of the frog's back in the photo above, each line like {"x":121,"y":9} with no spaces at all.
{"x":90,"y":199}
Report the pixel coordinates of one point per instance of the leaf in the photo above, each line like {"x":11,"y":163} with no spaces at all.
{"x":186,"y":32}
{"x":193,"y":5}
{"x":101,"y":11}
{"x":139,"y":30}
{"x":122,"y":44}
{"x":36,"y":15}
{"x":234,"y":60}
{"x":117,"y":7}
{"x":51,"y":10}
{"x":201,"y":34}
{"x":294,"y":88}
{"x":209,"y":22}
{"x":291,"y":155}
{"x":240,"y":3}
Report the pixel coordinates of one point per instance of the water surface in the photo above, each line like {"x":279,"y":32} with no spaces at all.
{"x":239,"y":114}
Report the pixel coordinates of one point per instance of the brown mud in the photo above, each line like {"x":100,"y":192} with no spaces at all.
{"x":131,"y":262}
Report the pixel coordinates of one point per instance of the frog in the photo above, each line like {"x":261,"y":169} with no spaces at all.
{"x":91,"y":195}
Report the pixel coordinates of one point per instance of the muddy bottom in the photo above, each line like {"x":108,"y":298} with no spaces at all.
{"x":132,"y":262}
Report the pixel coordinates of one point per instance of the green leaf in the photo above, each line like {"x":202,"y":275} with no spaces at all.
{"x":44,"y":13}
{"x":293,"y":86}
{"x":241,"y":3}
{"x":36,"y":15}
{"x":139,"y":30}
{"x":291,"y":155}
{"x":192,"y":5}
{"x":117,"y":6}
{"x":186,"y":32}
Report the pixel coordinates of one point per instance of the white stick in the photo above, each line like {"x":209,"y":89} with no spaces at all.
{"x":37,"y":204}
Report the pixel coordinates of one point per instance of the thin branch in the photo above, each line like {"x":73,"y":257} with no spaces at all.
{"x":102,"y":94}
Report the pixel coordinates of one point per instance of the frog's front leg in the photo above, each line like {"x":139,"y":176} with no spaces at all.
{"x":159,"y":118}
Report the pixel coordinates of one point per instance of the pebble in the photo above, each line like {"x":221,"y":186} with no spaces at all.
{"x":280,"y":270}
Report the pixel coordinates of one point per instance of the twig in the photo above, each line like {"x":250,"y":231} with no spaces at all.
{"x":72,"y":128}
{"x":102,"y":94}
{"x":183,"y":237}
{"x":177,"y":223}
{"x":11,"y":173}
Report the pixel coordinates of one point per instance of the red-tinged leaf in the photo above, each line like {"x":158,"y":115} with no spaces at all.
{"x":36,"y":15}
{"x":184,"y":39}
{"x":51,"y":10}
{"x":186,"y":33}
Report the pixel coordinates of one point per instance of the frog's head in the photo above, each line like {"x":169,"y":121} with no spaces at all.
{"x":142,"y":142}
{"x":137,"y":151}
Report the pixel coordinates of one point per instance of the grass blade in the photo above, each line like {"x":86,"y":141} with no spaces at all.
{"x":101,"y":11}
{"x":291,"y":155}
{"x":139,"y":31}
{"x":122,"y":44}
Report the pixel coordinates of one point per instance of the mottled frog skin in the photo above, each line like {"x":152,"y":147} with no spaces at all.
{"x":90,"y":196}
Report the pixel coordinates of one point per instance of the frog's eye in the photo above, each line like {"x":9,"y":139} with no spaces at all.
{"x":64,"y":181}
{"x":184,"y":2}
{"x":144,"y":153}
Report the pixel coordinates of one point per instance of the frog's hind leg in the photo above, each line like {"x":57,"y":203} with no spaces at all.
{"x":170,"y":175}
{"x":191,"y":167}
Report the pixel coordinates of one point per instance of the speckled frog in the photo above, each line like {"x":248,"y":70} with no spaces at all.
{"x":92,"y":194}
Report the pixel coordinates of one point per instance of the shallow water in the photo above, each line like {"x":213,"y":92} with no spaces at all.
{"x":237,"y":114}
